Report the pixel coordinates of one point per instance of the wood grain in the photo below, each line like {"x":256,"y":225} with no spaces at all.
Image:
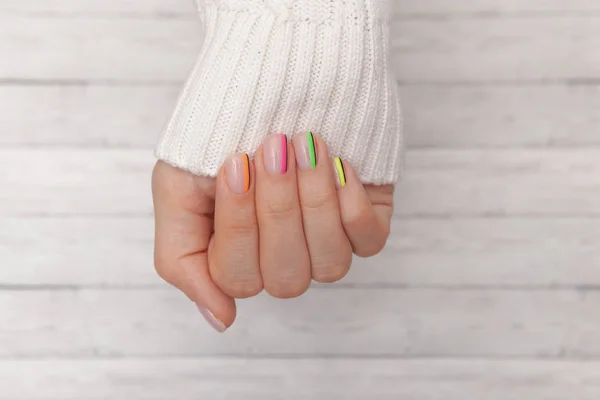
{"x":500,"y":183}
{"x":501,"y":116}
{"x":348,"y":379}
{"x":458,"y":253}
{"x":148,"y":8}
{"x":90,"y":116}
{"x":444,"y":51}
{"x":435,"y":116}
{"x":185,"y":8}
{"x":475,"y":50}
{"x":493,"y":7}
{"x":62,"y":181}
{"x":67,"y":49}
{"x":438,"y":183}
{"x":373,"y":322}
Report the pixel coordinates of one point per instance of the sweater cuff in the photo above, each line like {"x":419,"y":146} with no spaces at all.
{"x":290,"y":66}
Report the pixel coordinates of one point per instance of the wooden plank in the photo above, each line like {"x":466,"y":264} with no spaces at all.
{"x":435,"y":116}
{"x":78,"y":251}
{"x":510,"y":252}
{"x":157,"y":8}
{"x":499,"y":116}
{"x":123,"y":116}
{"x":186,"y":8}
{"x":493,"y":6}
{"x":451,"y":379}
{"x":90,"y":181}
{"x":500,"y":183}
{"x":513,"y":252}
{"x":374,"y":322}
{"x":508,"y":50}
{"x":39,"y":48}
{"x":438,"y":183}
{"x":465,"y":50}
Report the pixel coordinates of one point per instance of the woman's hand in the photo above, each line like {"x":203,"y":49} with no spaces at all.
{"x":290,"y":216}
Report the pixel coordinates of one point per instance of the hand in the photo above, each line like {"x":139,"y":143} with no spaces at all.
{"x":290,"y":216}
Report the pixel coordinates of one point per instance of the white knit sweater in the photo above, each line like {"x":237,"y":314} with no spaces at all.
{"x":290,"y":66}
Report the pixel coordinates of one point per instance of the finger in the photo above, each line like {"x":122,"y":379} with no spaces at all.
{"x":284,"y":261}
{"x":184,"y":205}
{"x":366,"y":210}
{"x":233,"y":256}
{"x":328,"y":246}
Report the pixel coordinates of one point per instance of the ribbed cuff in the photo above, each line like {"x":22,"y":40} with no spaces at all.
{"x":290,"y":66}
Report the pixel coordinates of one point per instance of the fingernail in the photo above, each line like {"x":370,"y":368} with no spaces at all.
{"x":306,"y":151}
{"x":338,"y":165}
{"x":237,"y":169}
{"x":275,"y":153}
{"x":211,"y":319}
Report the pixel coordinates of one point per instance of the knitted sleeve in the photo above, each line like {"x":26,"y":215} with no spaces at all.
{"x":290,"y":66}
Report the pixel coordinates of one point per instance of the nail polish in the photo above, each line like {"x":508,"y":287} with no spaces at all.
{"x":237,"y":170}
{"x":306,"y":151}
{"x":217,"y":325}
{"x":275,"y":154}
{"x":338,"y":165}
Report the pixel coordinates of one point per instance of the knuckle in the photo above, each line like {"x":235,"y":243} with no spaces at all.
{"x":238,"y":277}
{"x":238,"y":230}
{"x":333,"y":272}
{"x":242,"y":288}
{"x":316,"y":201}
{"x":164,"y":268}
{"x":372,"y":247}
{"x":386,"y":231}
{"x":357,"y":218}
{"x":279,"y":210}
{"x":244,"y":218}
{"x":378,"y":242}
{"x":287,"y":290}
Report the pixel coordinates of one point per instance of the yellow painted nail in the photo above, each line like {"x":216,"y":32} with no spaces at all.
{"x":339,"y":169}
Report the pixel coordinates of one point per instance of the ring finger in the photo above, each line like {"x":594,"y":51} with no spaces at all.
{"x":328,"y":246}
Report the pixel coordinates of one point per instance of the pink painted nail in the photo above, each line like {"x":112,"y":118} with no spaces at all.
{"x":275,"y":153}
{"x":219,"y":326}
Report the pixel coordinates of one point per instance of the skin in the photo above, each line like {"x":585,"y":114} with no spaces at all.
{"x":285,"y":231}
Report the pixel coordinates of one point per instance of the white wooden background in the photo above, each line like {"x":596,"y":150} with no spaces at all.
{"x":489,"y":288}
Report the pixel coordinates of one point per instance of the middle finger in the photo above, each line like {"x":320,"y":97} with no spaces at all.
{"x":329,"y":248}
{"x":284,"y":260}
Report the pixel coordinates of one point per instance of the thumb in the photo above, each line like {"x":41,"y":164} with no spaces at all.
{"x":184,"y":212}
